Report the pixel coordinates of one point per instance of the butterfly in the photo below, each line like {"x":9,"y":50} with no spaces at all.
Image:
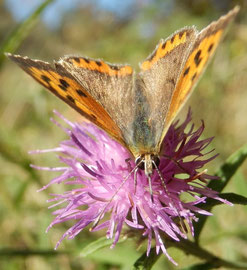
{"x":134,"y":108}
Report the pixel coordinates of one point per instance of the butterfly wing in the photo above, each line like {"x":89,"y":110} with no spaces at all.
{"x":135,"y":111}
{"x":62,"y":83}
{"x":157,"y":79}
{"x":110,"y":85}
{"x":201,"y":52}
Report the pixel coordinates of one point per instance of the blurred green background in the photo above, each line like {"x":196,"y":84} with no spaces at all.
{"x":117,"y":31}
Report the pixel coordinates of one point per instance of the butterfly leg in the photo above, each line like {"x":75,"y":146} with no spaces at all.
{"x":150,"y":188}
{"x":135,"y":173}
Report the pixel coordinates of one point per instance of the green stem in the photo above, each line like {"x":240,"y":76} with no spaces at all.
{"x":31,"y":252}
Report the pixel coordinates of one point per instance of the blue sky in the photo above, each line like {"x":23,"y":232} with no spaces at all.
{"x":20,"y":9}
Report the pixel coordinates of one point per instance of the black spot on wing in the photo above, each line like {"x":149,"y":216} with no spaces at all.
{"x":62,"y":87}
{"x":98,"y":63}
{"x":181,"y":34}
{"x":186,"y":71}
{"x":80,"y":93}
{"x":194,"y":76}
{"x":63,"y":84}
{"x":210,"y":47}
{"x":70,"y":98}
{"x":45,"y":78}
{"x":197,"y":58}
{"x":77,"y":59}
{"x":115,"y":68}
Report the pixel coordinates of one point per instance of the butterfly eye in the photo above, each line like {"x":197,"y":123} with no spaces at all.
{"x":140,"y":162}
{"x":156,"y":160}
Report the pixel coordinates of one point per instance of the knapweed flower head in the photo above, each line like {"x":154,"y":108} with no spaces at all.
{"x":105,"y":195}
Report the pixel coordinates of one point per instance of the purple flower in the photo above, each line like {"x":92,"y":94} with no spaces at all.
{"x":98,"y":170}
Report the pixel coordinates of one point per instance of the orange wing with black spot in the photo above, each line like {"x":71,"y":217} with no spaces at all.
{"x":110,"y":85}
{"x":158,"y":77}
{"x":201,"y":52}
{"x":62,"y":83}
{"x":170,"y":73}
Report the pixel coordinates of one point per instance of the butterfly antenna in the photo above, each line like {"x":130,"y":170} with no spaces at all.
{"x":183,"y":226}
{"x":96,"y":222}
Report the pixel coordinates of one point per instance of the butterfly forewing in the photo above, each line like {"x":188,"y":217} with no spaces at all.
{"x":158,"y":77}
{"x":61,"y":83}
{"x":111,"y":85}
{"x":201,"y":52}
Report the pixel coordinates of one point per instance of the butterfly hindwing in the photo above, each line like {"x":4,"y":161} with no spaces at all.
{"x":201,"y":52}
{"x":61,"y":83}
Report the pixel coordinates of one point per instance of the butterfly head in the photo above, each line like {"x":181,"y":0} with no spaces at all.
{"x":147,"y":163}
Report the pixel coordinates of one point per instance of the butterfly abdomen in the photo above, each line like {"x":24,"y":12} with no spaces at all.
{"x":142,"y":139}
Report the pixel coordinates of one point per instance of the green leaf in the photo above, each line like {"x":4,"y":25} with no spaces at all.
{"x":96,"y":245}
{"x":193,"y":248}
{"x":231,"y":197}
{"x":146,"y":262}
{"x":13,"y":41}
{"x":228,"y":169}
{"x":122,"y":255}
{"x":234,"y":198}
{"x":225,"y":173}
